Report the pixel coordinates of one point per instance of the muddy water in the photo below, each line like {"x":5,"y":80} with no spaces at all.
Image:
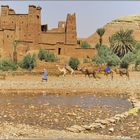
{"x":81,"y":101}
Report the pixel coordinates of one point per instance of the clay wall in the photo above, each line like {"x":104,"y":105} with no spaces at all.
{"x":1,"y":43}
{"x":21,"y":30}
{"x":22,"y":48}
{"x":69,"y":50}
{"x":8,"y":22}
{"x":52,"y":38}
{"x":83,"y":53}
{"x":8,"y":37}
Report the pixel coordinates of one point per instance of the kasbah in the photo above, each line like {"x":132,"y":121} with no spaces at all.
{"x":26,"y":29}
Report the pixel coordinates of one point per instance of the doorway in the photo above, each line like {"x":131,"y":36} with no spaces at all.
{"x":59,"y":51}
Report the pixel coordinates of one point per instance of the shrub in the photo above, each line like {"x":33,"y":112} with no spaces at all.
{"x":74,"y":62}
{"x":50,"y":57}
{"x":105,"y":56}
{"x":97,"y":46}
{"x":41,"y":54}
{"x":85,"y":45}
{"x":137,"y":62}
{"x":124,"y":64}
{"x":98,"y":60}
{"x":6,"y":65}
{"x":137,"y":46}
{"x":47,"y":56}
{"x":28,"y":62}
{"x":129,"y":57}
{"x":113,"y":60}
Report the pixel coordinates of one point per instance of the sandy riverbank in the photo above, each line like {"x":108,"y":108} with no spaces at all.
{"x":71,"y":85}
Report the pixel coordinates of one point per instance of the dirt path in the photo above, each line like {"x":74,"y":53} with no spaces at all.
{"x":71,"y":85}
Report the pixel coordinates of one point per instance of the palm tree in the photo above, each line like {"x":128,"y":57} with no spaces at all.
{"x":122,"y":42}
{"x":100,"y":32}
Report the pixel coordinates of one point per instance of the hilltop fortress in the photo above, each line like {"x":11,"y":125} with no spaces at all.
{"x":27,"y":30}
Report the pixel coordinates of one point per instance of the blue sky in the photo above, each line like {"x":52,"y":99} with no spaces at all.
{"x":90,"y":14}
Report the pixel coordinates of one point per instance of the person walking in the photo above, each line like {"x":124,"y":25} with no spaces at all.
{"x":45,"y":75}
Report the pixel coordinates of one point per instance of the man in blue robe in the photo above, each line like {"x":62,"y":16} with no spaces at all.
{"x":45,"y":75}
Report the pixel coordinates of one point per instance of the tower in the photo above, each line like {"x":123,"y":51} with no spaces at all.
{"x":71,"y":34}
{"x":4,"y":10}
{"x":34,"y":24}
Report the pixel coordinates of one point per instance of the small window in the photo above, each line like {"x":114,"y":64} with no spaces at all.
{"x":37,"y":16}
{"x":7,"y":36}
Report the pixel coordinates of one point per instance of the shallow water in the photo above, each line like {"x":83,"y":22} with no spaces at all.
{"x":75,"y":100}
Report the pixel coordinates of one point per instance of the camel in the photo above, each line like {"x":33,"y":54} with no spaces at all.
{"x":65,"y":69}
{"x":68,"y":68}
{"x":122,"y":71}
{"x":62,"y":70}
{"x":89,"y":71}
{"x":109,"y":73}
{"x":102,"y":70}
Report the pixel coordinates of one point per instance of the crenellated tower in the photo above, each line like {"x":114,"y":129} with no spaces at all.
{"x":34,"y":24}
{"x":71,"y":34}
{"x":4,"y":10}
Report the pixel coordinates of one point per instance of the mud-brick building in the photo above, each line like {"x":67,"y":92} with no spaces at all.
{"x":27,"y":30}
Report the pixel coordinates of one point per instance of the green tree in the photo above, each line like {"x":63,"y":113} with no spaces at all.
{"x":85,"y":45}
{"x":129,"y":57}
{"x":42,"y":54}
{"x":74,"y":62}
{"x":7,"y":64}
{"x":122,"y":42}
{"x":100,"y":32}
{"x":47,"y":56}
{"x":28,"y":62}
{"x":105,"y":56}
{"x":50,"y":57}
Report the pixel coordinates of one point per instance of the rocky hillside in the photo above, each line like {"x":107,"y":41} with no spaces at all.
{"x":127,"y":22}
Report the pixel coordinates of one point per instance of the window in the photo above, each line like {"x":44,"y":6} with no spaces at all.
{"x":7,"y":36}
